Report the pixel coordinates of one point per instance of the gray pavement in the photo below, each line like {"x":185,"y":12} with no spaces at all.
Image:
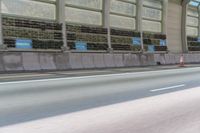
{"x":23,"y":101}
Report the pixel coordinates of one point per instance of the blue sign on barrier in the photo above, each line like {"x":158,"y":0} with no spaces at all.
{"x":163,"y":42}
{"x":82,"y":46}
{"x":23,"y":44}
{"x":136,"y":41}
{"x":151,"y":48}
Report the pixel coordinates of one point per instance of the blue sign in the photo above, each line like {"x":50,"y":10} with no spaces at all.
{"x":136,"y":41}
{"x":198,"y":39}
{"x":163,"y":42}
{"x":81,"y":45}
{"x":23,"y":44}
{"x":151,"y":48}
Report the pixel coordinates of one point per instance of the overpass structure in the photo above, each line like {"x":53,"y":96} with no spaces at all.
{"x":81,"y":34}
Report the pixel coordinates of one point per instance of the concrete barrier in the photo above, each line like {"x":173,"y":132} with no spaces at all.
{"x":136,"y":60}
{"x":1,"y":63}
{"x":157,"y":58}
{"x":160,"y":58}
{"x":109,"y":60}
{"x":13,"y":61}
{"x":186,"y":58}
{"x":31,"y":61}
{"x":190,"y":58}
{"x":47,"y":61}
{"x":62,"y":61}
{"x":143,"y":60}
{"x":172,"y":58}
{"x":75,"y":60}
{"x":118,"y":60}
{"x":177,"y":58}
{"x":128,"y":60}
{"x":167,"y":59}
{"x":99,"y":61}
{"x":198,"y":58}
{"x":151,"y":60}
{"x":88,"y":60}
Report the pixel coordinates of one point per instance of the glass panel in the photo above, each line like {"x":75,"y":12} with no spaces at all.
{"x":123,"y":8}
{"x":192,"y":21}
{"x":29,"y":8}
{"x":152,"y":13}
{"x":75,"y":15}
{"x":96,"y":4}
{"x":151,"y":26}
{"x":194,"y":3}
{"x":192,"y":31}
{"x":192,"y":12}
{"x":153,"y":3}
{"x":122,"y":22}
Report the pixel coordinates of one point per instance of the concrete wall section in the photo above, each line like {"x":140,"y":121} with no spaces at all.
{"x":136,"y":60}
{"x":62,"y":61}
{"x":88,"y":60}
{"x":174,"y":26}
{"x":129,"y":60}
{"x":143,"y":60}
{"x":109,"y":60}
{"x":1,"y":63}
{"x":75,"y":60}
{"x":159,"y":59}
{"x":118,"y":60}
{"x":99,"y":61}
{"x":12,"y":61}
{"x":150,"y":60}
{"x":47,"y":61}
{"x":31,"y":61}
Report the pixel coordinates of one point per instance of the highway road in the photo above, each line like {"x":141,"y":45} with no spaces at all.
{"x":107,"y":102}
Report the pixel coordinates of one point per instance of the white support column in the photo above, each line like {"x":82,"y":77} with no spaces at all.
{"x":183,"y":28}
{"x":106,"y":21}
{"x":164,"y":18}
{"x":60,"y":8}
{"x":1,"y":32}
{"x":184,"y":24}
{"x":139,"y":21}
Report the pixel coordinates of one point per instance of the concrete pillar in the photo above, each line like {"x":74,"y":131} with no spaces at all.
{"x":164,"y":18}
{"x":183,"y":28}
{"x":106,"y":21}
{"x":1,"y":32}
{"x":139,"y":20}
{"x":60,"y":12}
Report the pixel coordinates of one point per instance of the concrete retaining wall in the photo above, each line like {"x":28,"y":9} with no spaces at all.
{"x":32,"y":61}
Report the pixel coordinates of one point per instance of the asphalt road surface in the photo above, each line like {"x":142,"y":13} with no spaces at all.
{"x":104,"y":103}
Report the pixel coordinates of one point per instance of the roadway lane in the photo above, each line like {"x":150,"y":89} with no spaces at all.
{"x":169,"y":113}
{"x":22,"y":101}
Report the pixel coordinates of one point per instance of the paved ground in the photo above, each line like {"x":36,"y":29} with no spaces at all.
{"x":91,"y":97}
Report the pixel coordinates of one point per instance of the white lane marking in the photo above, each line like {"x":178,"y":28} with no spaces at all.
{"x":168,"y":88}
{"x":93,"y":76}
